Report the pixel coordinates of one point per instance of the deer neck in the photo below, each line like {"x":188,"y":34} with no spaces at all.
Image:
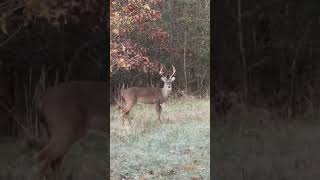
{"x":165,"y":92}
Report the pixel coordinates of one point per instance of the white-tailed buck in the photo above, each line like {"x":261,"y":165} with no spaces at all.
{"x":147,"y":95}
{"x":69,"y":110}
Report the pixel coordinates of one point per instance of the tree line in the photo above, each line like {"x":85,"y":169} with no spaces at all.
{"x":266,"y":53}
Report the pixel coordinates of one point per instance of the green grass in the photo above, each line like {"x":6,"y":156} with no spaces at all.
{"x":178,"y":148}
{"x":86,"y":160}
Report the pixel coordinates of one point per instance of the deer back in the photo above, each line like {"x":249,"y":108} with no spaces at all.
{"x":148,"y":95}
{"x":75,"y":104}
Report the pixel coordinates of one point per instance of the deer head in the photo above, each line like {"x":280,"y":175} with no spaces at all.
{"x":167,"y":86}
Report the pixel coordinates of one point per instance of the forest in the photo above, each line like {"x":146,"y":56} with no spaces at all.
{"x":273,"y":62}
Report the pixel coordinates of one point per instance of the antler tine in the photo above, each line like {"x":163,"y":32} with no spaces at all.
{"x":161,"y":71}
{"x":173,"y":71}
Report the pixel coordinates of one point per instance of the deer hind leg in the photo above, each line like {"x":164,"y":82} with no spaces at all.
{"x":56,"y":166}
{"x":158,"y":109}
{"x":48,"y":157}
{"x":52,"y":155}
{"x":125,"y":117}
{"x":126,"y":110}
{"x":43,"y":158}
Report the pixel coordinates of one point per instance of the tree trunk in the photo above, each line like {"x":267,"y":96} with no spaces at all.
{"x":243,"y":57}
{"x":184,"y":61}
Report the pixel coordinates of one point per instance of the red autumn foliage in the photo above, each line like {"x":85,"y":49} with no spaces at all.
{"x":129,"y":16}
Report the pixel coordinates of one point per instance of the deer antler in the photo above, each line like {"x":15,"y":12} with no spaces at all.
{"x":173,"y":71}
{"x":161,"y":71}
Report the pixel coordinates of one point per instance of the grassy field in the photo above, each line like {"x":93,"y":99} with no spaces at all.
{"x":86,"y":160}
{"x":178,"y":148}
{"x":278,"y":151}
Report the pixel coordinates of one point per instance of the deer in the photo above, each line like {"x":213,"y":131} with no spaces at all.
{"x":68,"y":111}
{"x":147,"y":95}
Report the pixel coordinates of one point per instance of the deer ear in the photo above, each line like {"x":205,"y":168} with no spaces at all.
{"x":172,"y":79}
{"x":164,"y":79}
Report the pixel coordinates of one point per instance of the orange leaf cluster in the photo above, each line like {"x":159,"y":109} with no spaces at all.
{"x":126,"y":17}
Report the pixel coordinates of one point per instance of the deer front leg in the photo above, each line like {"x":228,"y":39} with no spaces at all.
{"x":158,"y":109}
